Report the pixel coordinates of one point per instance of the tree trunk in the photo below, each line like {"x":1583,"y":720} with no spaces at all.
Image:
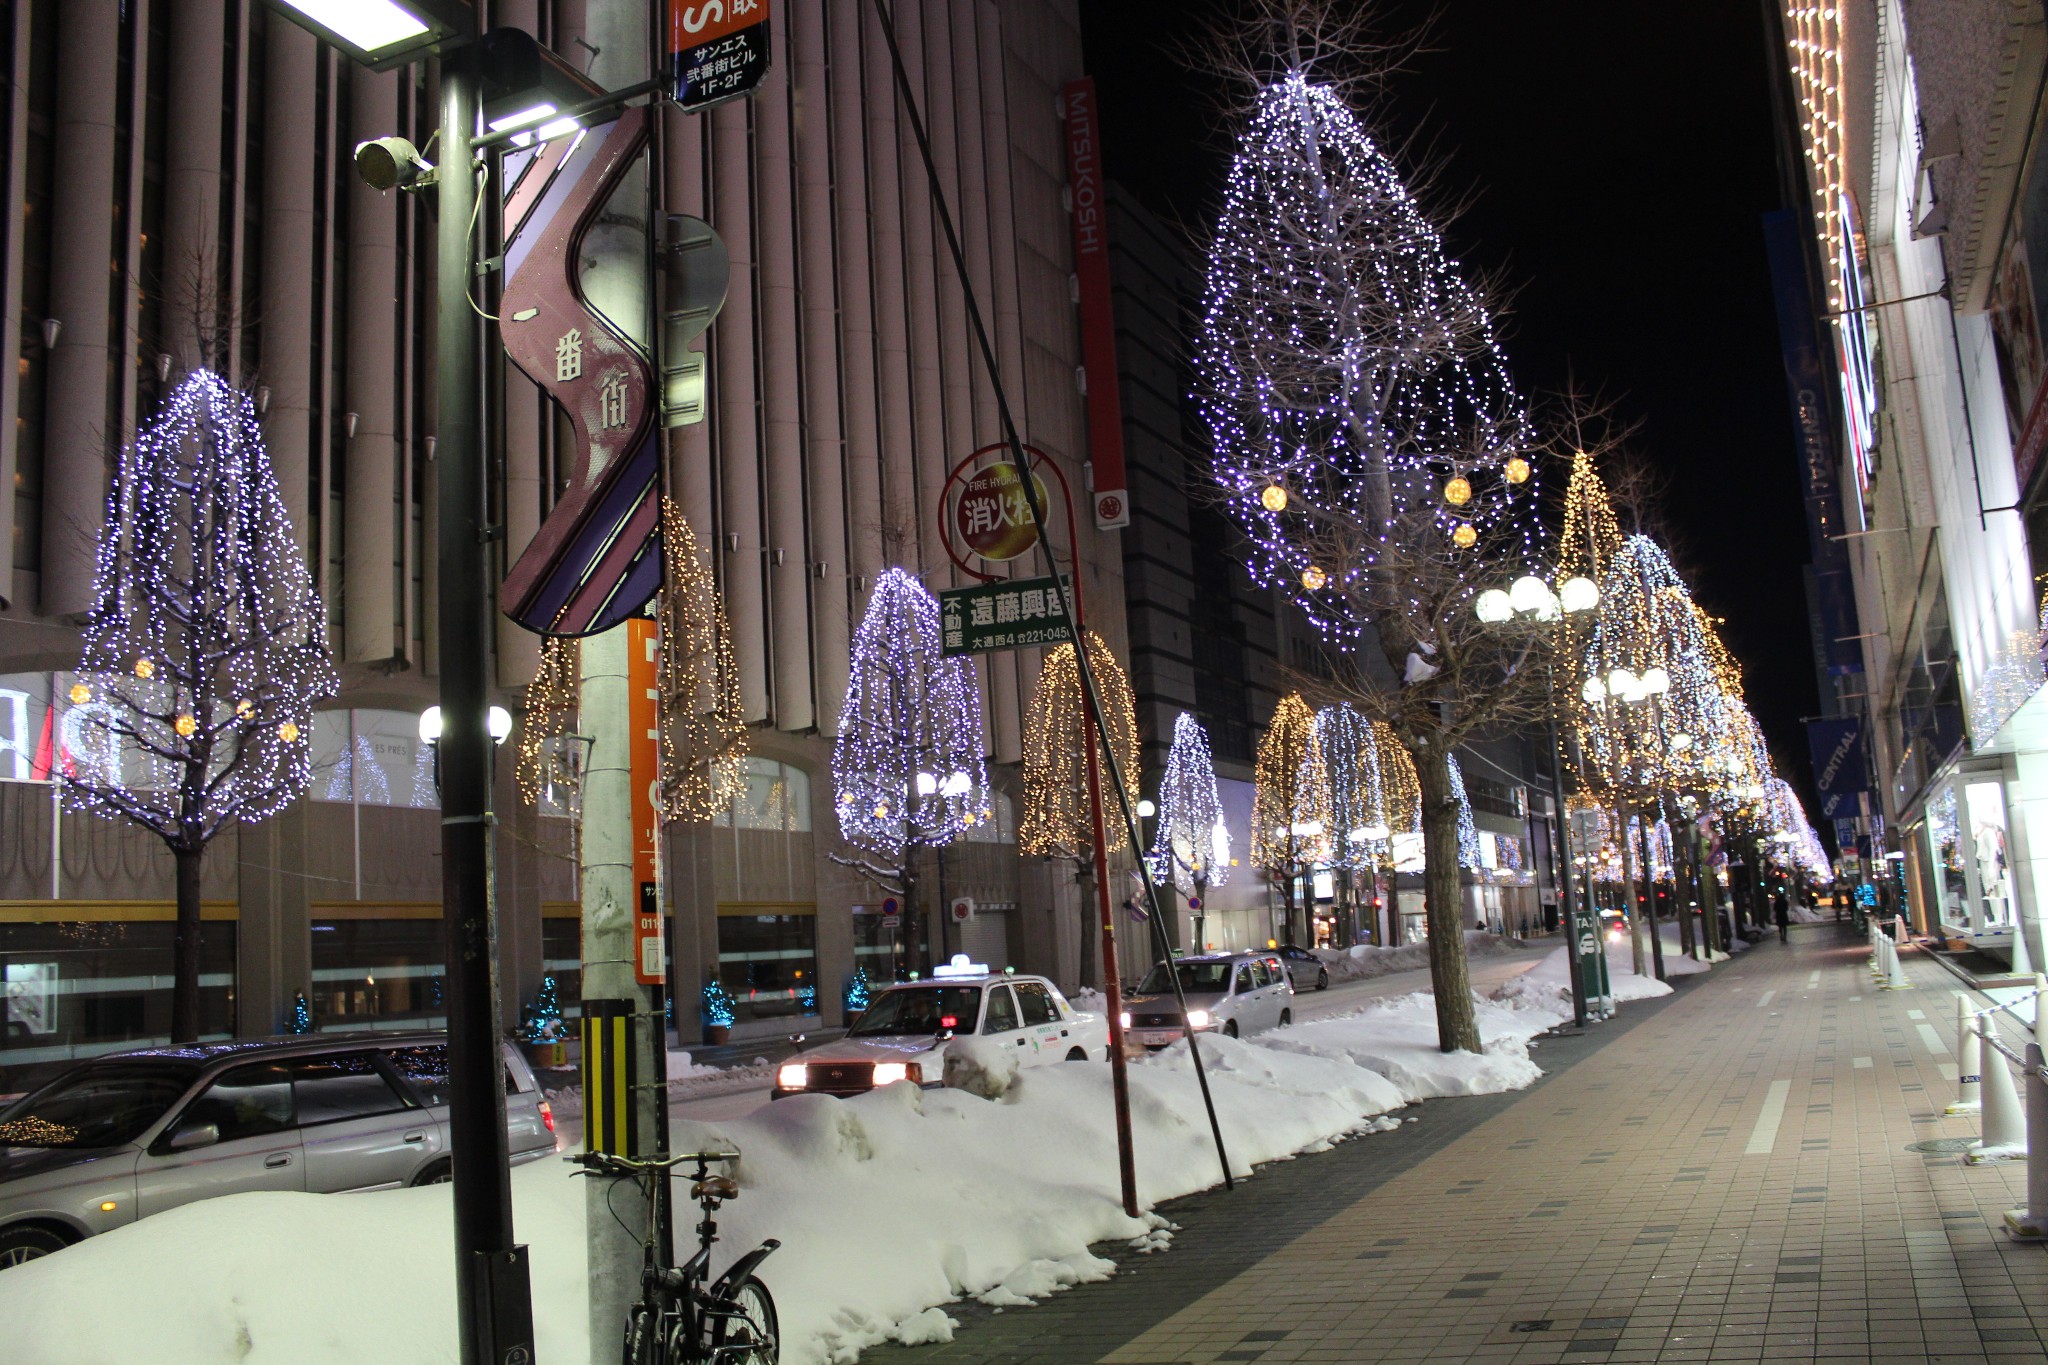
{"x":1457,"y":1025}
{"x":1650,"y":902}
{"x":185,"y":949}
{"x":1628,"y":885}
{"x":1287,"y":909}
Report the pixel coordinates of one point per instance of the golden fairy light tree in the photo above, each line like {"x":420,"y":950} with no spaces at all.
{"x":1279,"y":848}
{"x":702,"y":733}
{"x":1057,"y":822}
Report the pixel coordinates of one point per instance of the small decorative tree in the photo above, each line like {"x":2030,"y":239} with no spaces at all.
{"x":541,"y":1021}
{"x":1191,"y":843}
{"x":718,"y":1010}
{"x":301,"y":1020}
{"x":205,"y":650}
{"x":1278,"y":848}
{"x":907,"y":767}
{"x":858,"y":991}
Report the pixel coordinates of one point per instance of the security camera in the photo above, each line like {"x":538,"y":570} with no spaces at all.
{"x":388,"y":163}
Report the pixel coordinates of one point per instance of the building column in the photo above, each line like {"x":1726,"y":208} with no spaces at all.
{"x":737,"y":437}
{"x":195,"y":297}
{"x":370,"y":517}
{"x":288,"y":226}
{"x":273,"y":947}
{"x":76,"y":441}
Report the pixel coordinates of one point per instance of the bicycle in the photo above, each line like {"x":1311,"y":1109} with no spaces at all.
{"x":677,"y":1320}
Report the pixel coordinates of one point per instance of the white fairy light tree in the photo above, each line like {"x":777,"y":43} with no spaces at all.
{"x":1368,"y":438}
{"x":908,"y":771}
{"x":204,"y":652}
{"x":1191,"y":842}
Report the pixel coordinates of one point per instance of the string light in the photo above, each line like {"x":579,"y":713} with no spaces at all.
{"x":1057,"y":822}
{"x":550,"y":713}
{"x":206,"y":646}
{"x":1274,"y":498}
{"x":909,"y":710}
{"x":1357,"y":788}
{"x":1191,"y":840}
{"x":1276,"y":779}
{"x":1458,"y":491}
{"x":703,"y":727}
{"x":1341,"y":355}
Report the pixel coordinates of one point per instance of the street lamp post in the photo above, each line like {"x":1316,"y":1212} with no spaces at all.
{"x":1533,"y":600}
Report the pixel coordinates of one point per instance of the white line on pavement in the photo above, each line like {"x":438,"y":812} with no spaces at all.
{"x":1765,"y":1135}
{"x":1812,"y":979}
{"x":1915,"y":1014}
{"x":1860,"y":1063}
{"x":1935,"y":1042}
{"x":1854,"y":998}
{"x":1948,"y":1070}
{"x":1764,"y":999}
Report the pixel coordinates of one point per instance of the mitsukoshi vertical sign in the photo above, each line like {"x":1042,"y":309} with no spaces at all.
{"x":1090,"y":212}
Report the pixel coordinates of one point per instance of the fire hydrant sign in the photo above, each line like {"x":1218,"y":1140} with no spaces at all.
{"x":718,"y":50}
{"x":992,"y":516}
{"x":1014,"y":614}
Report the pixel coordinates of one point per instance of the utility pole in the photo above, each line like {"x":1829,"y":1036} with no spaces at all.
{"x":618,"y":285}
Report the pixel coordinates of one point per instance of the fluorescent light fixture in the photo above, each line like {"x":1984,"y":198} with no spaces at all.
{"x":385,"y":34}
{"x":520,"y":118}
{"x":371,"y":25}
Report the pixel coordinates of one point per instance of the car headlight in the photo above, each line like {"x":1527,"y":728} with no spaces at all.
{"x":792,"y":1076}
{"x":1124,"y":1017}
{"x":1198,"y":1019}
{"x":888,"y":1073}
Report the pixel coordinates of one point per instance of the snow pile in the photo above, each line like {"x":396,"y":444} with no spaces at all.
{"x":888,"y":1206}
{"x":1366,"y":960}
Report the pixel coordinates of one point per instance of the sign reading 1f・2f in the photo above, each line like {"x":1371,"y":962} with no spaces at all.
{"x":1012,"y":614}
{"x":717,"y":50}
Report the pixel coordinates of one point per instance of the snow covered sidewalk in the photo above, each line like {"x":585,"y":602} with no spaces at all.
{"x":888,"y":1206}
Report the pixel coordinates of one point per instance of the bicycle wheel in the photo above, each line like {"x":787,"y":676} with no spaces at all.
{"x":747,"y":1334}
{"x":643,"y":1336}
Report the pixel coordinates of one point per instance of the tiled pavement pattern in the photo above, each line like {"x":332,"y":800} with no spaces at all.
{"x":1722,"y":1175}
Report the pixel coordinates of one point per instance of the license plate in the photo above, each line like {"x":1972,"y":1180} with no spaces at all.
{"x":1154,"y":1037}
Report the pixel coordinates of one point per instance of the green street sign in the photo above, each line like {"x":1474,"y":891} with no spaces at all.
{"x":1013,"y":614}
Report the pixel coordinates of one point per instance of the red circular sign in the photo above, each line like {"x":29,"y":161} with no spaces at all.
{"x":991,"y":515}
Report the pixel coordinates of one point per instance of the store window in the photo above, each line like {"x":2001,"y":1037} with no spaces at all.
{"x":378,"y":973}
{"x":561,"y":952}
{"x":768,"y":960}
{"x":1985,"y":804}
{"x":372,"y":758}
{"x":773,"y":796}
{"x":76,"y":988}
{"x":998,"y":826}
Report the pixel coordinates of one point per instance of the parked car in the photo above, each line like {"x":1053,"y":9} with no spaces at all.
{"x":116,"y":1138}
{"x":1303,"y":965}
{"x":902,"y":1035}
{"x":1230,"y":993}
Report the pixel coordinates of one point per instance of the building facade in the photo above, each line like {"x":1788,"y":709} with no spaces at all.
{"x":180,"y":193}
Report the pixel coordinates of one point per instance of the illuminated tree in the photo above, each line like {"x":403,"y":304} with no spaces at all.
{"x":703,"y":728}
{"x":1368,"y":439}
{"x":205,"y":650}
{"x":1056,"y":821}
{"x":1191,"y":843}
{"x":1278,"y":849}
{"x":907,"y":767}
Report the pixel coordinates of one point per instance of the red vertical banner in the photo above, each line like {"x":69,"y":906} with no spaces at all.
{"x":1090,"y":212}
{"x":643,"y":764}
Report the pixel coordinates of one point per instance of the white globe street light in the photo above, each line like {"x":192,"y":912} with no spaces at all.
{"x":1529,"y":593}
{"x":1493,"y":606}
{"x":1577,"y":594}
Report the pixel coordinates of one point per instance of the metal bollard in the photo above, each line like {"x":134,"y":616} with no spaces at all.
{"x":2031,"y":1222}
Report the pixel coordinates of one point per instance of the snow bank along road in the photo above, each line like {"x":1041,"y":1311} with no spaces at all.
{"x":888,"y":1206}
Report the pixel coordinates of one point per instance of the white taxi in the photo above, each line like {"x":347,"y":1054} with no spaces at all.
{"x":903,"y":1033}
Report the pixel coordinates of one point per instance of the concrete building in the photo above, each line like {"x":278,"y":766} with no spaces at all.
{"x":1908,"y":273}
{"x":180,"y":193}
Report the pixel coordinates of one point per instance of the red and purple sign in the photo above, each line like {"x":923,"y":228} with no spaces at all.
{"x":1090,"y":211}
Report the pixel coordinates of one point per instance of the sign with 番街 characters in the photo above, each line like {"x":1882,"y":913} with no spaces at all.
{"x":1013,"y":614}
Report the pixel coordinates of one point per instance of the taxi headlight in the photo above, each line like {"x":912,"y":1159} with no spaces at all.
{"x":1198,"y":1019}
{"x":888,"y":1073}
{"x":792,"y":1076}
{"x":1124,"y":1017}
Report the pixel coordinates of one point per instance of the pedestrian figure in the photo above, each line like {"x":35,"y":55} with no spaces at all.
{"x":1783,"y":912}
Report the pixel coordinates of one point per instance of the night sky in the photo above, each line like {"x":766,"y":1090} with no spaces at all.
{"x":1613,"y":159}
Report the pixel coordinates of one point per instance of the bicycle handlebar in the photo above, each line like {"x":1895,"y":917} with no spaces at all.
{"x":620,"y":1165}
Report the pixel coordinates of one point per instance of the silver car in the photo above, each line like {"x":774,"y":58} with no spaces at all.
{"x":1230,"y":993}
{"x":120,"y":1137}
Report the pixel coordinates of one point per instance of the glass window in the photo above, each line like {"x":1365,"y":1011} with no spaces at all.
{"x":875,"y":945}
{"x":378,"y":970}
{"x":561,"y":951}
{"x":96,"y":1106}
{"x":73,"y":988}
{"x":1194,"y":976}
{"x":768,"y":963}
{"x":246,"y":1102}
{"x":774,"y":796}
{"x":999,"y":826}
{"x":919,"y":1011}
{"x":1035,"y":1004}
{"x":425,"y":1069}
{"x":1002,"y":1011}
{"x":330,"y":1089}
{"x":374,"y":757}
{"x":1245,"y":981}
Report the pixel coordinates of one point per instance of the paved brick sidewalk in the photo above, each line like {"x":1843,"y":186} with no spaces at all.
{"x":1723,"y":1175}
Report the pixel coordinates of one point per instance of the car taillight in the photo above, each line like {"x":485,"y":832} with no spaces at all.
{"x":949,"y":1021}
{"x":547,"y":1115}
